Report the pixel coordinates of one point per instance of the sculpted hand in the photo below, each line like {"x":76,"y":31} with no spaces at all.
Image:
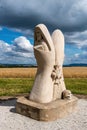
{"x":42,"y":90}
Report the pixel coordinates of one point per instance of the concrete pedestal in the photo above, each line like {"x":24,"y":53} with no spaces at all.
{"x":48,"y":111}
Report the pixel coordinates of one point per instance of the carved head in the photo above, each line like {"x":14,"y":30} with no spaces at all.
{"x":43,"y":46}
{"x":38,"y":36}
{"x":67,"y":94}
{"x":41,"y":34}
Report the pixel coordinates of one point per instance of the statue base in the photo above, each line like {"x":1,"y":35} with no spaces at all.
{"x":47,"y":111}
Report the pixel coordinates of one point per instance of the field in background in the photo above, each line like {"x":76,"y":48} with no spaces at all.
{"x":17,"y":72}
{"x":69,"y":72}
{"x":15,"y":86}
{"x":15,"y":81}
{"x":75,"y":72}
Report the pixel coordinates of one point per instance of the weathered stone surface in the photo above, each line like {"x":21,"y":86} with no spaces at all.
{"x":49,"y":53}
{"x":48,"y":99}
{"x":42,"y":90}
{"x":45,"y":111}
{"x":59,"y":43}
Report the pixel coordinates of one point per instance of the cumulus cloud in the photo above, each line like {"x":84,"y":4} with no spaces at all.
{"x":20,"y":52}
{"x":77,"y":38}
{"x":22,"y":44}
{"x":69,"y":16}
{"x":22,"y":15}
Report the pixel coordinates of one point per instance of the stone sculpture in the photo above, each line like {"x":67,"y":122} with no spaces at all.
{"x":49,"y":53}
{"x":49,"y":98}
{"x":67,"y":94}
{"x":59,"y":85}
{"x":42,"y":90}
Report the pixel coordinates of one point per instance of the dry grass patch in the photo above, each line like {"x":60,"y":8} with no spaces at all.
{"x":17,"y":72}
{"x":69,"y":72}
{"x":75,"y":72}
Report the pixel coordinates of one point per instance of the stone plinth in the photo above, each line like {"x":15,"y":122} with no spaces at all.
{"x":47,"y":111}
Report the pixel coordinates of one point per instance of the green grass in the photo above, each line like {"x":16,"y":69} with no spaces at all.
{"x":77,"y":85}
{"x":14,"y":86}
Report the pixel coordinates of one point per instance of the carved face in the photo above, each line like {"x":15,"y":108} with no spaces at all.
{"x":38,"y":35}
{"x":41,"y":34}
{"x":43,"y":46}
{"x":67,"y":94}
{"x":40,"y":43}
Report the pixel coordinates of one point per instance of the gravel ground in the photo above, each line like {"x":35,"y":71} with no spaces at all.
{"x":9,"y":120}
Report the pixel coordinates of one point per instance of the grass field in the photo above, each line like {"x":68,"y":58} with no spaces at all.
{"x":14,"y":86}
{"x":77,"y":85}
{"x":15,"y":81}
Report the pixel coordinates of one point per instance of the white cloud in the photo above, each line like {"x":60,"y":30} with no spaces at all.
{"x":23,"y":44}
{"x":79,"y":58}
{"x":69,"y":16}
{"x":26,"y":32}
{"x":20,"y":52}
{"x":4,"y":47}
{"x":77,"y":55}
{"x":78,"y":38}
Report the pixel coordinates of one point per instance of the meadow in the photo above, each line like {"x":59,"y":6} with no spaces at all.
{"x":69,"y":72}
{"x":14,"y":81}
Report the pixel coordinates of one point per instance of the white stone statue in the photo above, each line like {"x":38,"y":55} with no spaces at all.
{"x":49,"y":53}
{"x":42,"y":90}
{"x":59,"y":85}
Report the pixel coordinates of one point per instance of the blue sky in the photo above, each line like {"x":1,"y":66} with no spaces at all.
{"x":8,"y":35}
{"x":17,"y":22}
